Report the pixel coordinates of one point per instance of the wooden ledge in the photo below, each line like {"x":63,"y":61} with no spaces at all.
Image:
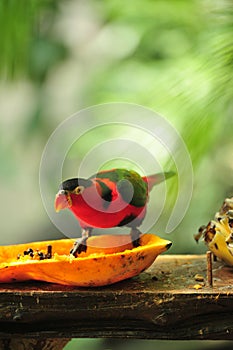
{"x":164,"y":302}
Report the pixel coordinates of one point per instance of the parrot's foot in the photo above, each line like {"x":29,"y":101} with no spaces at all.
{"x":135,"y":237}
{"x":80,"y":244}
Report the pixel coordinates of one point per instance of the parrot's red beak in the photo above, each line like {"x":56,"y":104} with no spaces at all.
{"x":62,"y":201}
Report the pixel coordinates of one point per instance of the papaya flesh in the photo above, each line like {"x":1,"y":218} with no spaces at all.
{"x":108,"y":259}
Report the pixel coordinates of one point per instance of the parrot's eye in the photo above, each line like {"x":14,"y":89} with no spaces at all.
{"x":78,"y":190}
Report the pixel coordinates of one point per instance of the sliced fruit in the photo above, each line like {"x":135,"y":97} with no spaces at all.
{"x":108,"y":259}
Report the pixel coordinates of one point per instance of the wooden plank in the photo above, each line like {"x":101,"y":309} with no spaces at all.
{"x":160,"y":303}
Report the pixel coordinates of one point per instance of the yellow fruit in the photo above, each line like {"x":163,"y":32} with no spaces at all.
{"x":108,"y":259}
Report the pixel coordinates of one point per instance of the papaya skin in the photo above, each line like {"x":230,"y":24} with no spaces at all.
{"x":108,"y":259}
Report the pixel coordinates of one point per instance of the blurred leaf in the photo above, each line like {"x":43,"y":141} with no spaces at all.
{"x":43,"y":56}
{"x":20,"y":23}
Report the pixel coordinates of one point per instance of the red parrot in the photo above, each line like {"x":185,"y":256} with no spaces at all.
{"x":110,"y":198}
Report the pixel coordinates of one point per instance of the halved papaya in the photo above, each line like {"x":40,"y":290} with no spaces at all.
{"x":108,"y":259}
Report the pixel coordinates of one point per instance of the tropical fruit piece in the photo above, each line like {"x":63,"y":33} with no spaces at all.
{"x":108,"y":259}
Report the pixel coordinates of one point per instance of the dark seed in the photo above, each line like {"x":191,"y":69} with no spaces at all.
{"x":154,"y":278}
{"x":49,"y":252}
{"x":28,"y":251}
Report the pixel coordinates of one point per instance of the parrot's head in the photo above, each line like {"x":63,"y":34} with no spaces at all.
{"x":68,"y":190}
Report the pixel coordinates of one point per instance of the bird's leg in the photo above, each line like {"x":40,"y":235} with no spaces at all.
{"x":80,"y":244}
{"x":135,"y":237}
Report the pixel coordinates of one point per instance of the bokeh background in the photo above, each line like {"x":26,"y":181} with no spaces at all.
{"x":57,"y":57}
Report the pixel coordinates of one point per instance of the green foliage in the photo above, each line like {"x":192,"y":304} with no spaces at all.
{"x":26,"y":47}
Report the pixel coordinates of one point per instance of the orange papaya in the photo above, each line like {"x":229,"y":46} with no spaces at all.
{"x":108,"y":259}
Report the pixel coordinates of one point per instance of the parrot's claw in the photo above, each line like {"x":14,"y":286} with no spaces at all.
{"x":135,"y":237}
{"x":79,"y":246}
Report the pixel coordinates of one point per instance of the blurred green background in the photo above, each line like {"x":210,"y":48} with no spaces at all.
{"x":57,"y":57}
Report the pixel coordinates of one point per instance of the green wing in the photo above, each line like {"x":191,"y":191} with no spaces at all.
{"x":129,"y":184}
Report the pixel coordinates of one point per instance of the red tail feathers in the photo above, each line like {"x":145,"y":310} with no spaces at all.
{"x":155,"y":179}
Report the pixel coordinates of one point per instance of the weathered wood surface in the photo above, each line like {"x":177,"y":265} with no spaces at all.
{"x":160,"y":303}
